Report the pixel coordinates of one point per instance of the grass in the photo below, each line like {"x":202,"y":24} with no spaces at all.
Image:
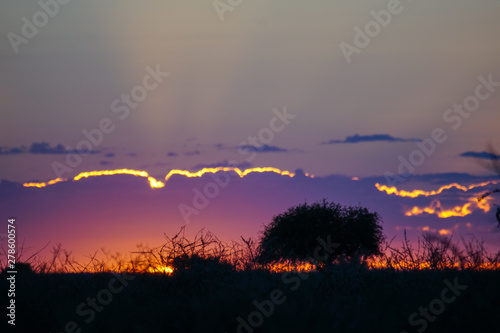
{"x":213,"y":284}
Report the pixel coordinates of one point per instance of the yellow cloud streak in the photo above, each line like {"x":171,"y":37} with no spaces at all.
{"x":154,"y":183}
{"x":437,"y":209}
{"x":53,"y":181}
{"x":417,"y":193}
{"x":237,"y":170}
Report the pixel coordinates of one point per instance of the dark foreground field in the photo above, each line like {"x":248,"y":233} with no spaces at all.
{"x":345,"y":299}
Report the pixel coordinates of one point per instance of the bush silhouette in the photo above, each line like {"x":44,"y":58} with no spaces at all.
{"x":293,"y":235}
{"x":198,"y":263}
{"x":19,"y":267}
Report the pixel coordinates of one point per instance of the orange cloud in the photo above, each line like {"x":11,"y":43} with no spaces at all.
{"x":437,"y":209}
{"x":417,"y":193}
{"x":154,"y":183}
{"x":53,"y":181}
{"x":226,"y":169}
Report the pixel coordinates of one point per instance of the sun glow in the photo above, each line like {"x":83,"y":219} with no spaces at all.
{"x":161,"y":269}
{"x":300,"y":267}
{"x":408,"y":265}
{"x":379,"y":263}
{"x":444,"y":232}
{"x":155,"y":183}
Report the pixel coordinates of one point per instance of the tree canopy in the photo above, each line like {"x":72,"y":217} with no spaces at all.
{"x":296,"y":233}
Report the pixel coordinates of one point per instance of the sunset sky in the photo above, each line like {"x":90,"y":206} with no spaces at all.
{"x":156,"y":86}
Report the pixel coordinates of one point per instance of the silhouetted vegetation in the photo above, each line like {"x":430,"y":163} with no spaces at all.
{"x":487,"y":194}
{"x":202,"y":284}
{"x":494,"y":165}
{"x":211,"y":287}
{"x":434,"y":251}
{"x":296,"y":233}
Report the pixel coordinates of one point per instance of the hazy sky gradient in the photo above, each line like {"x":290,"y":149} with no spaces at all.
{"x":227,"y":81}
{"x":226,"y":77}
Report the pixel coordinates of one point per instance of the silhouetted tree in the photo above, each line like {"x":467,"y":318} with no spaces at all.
{"x":495,"y":166}
{"x":294,"y":234}
{"x":487,"y":194}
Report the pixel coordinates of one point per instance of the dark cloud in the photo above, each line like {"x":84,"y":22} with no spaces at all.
{"x":220,"y":146}
{"x":191,"y":153}
{"x":263,"y":149}
{"x":45,"y":148}
{"x":186,"y":153}
{"x":12,"y":151}
{"x":356,"y":138}
{"x":482,"y":155}
{"x":41,"y":148}
{"x":241,"y":166}
{"x":256,"y":149}
{"x":109,"y":155}
{"x":105,"y":162}
{"x":132,"y":154}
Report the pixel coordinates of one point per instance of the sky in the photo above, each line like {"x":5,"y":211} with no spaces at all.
{"x":403,"y":94}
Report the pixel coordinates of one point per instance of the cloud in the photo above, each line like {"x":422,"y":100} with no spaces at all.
{"x":252,"y":148}
{"x":41,"y":148}
{"x":109,"y":155}
{"x":220,"y":146}
{"x":186,"y":153}
{"x":263,"y":149}
{"x":12,"y":151}
{"x":241,"y":166}
{"x":105,"y":162}
{"x":191,"y":153}
{"x":45,"y":148}
{"x":482,"y":155}
{"x":356,"y":138}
